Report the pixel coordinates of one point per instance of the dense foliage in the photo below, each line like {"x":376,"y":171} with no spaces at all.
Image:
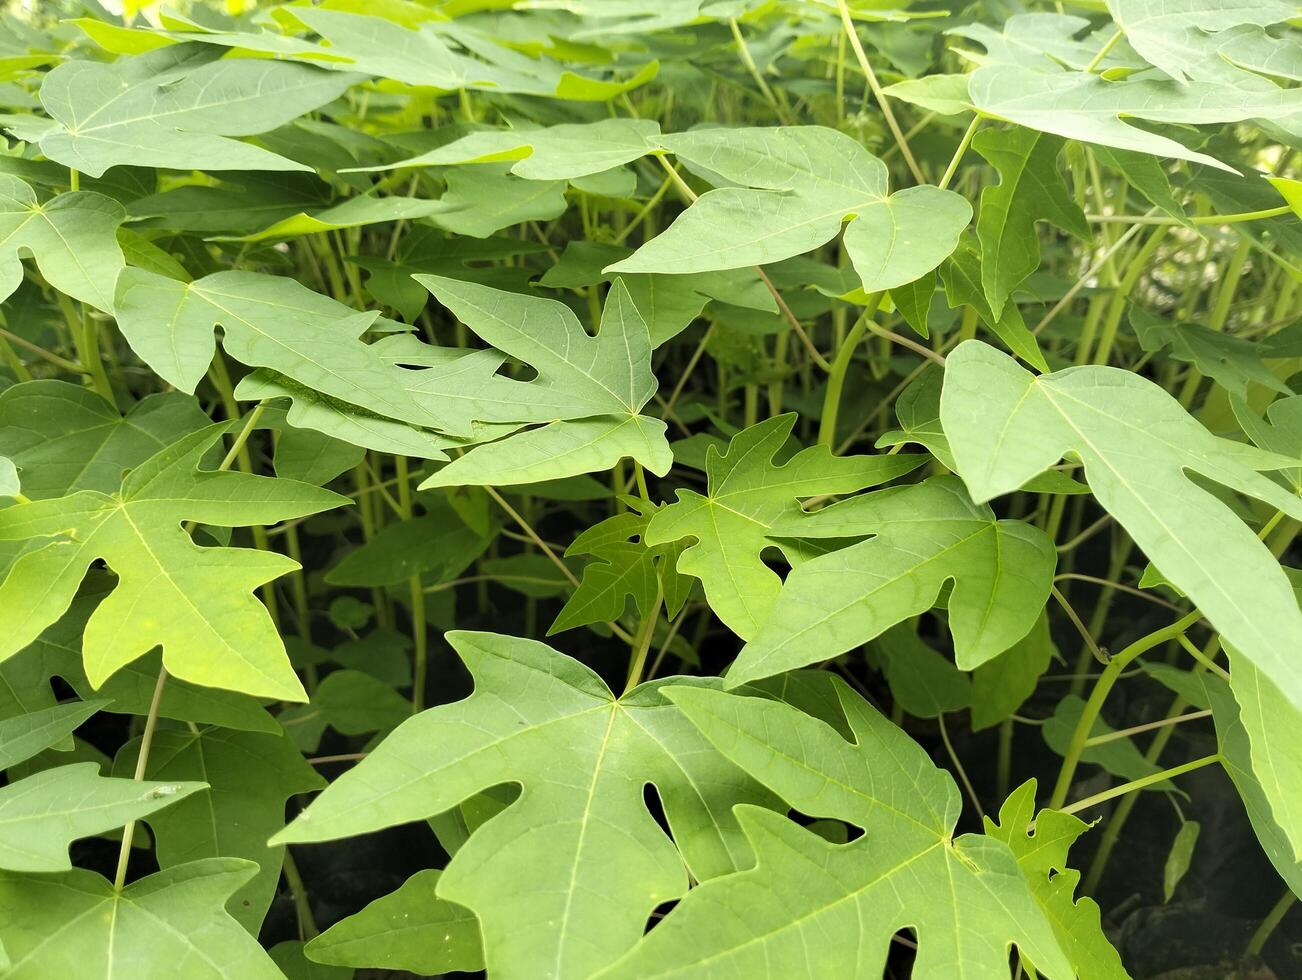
{"x":637,"y":488}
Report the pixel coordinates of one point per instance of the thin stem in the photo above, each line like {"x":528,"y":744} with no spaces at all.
{"x":1084,"y":280}
{"x":958,"y":766}
{"x":963,"y":144}
{"x":302,"y":908}
{"x":1108,"y":583}
{"x":791,"y":319}
{"x":1099,"y":655}
{"x":1202,"y":219}
{"x":1090,"y":713}
{"x":72,"y":367}
{"x":1268,"y":925}
{"x":643,"y":643}
{"x":687,"y":371}
{"x":1086,"y":534}
{"x":903,"y":341}
{"x":1202,"y":658}
{"x":1108,"y":45}
{"x":1141,"y":783}
{"x":853,"y":35}
{"x":142,"y":763}
{"x":1147,"y":727}
{"x":836,"y":377}
{"x":746,"y":59}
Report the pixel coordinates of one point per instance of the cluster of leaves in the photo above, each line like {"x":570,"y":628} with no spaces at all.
{"x":812,"y":370}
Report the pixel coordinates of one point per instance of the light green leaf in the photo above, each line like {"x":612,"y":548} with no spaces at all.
{"x":607,"y":376}
{"x":1272,"y":811}
{"x":803,"y":890}
{"x":943,"y":94}
{"x":44,"y":813}
{"x":748,"y":494}
{"x":562,"y":152}
{"x":355,"y":212}
{"x":313,"y":457}
{"x":25,"y":678}
{"x":25,"y":735}
{"x":334,"y":418}
{"x":410,"y":929}
{"x":565,"y":878}
{"x":10,"y":485}
{"x":249,"y":777}
{"x":1138,"y":446}
{"x":1089,"y":108}
{"x":178,"y":107}
{"x":582,"y":376}
{"x":924,"y":536}
{"x":559,"y":450}
{"x":66,"y":438}
{"x":795,"y":186}
{"x":485,"y":200}
{"x":73,"y":238}
{"x":1030,"y":189}
{"x":1178,"y":36}
{"x":622,"y":569}
{"x":277,"y":323}
{"x":169,"y":924}
{"x":196,"y":602}
{"x":1041,"y":842}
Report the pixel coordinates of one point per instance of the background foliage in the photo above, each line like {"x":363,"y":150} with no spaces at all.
{"x":607,"y":488}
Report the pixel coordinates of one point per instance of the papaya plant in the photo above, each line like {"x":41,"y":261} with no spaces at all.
{"x":650,"y":488}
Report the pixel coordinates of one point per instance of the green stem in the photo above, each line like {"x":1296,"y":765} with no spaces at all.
{"x":142,"y":763}
{"x":847,"y":22}
{"x":1134,"y":784}
{"x":1108,"y":45}
{"x":963,"y":144}
{"x":302,"y":907}
{"x":836,"y":377}
{"x":1268,"y":925}
{"x":1102,"y":687}
{"x":642,"y":645}
{"x":1202,"y":219}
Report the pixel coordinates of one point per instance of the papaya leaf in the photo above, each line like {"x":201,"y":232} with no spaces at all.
{"x":562,"y":152}
{"x":608,"y":377}
{"x":78,"y":924}
{"x":196,"y":602}
{"x":249,"y":776}
{"x":793,"y":189}
{"x":748,"y":494}
{"x":23,"y":736}
{"x":178,"y":107}
{"x":408,"y":929}
{"x":803,"y":889}
{"x":73,"y":238}
{"x":1042,"y":855}
{"x":1029,"y":190}
{"x":42,"y":814}
{"x":1138,"y":445}
{"x":923,"y":536}
{"x":623,"y":569}
{"x":566,"y":875}
{"x":65,"y":438}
